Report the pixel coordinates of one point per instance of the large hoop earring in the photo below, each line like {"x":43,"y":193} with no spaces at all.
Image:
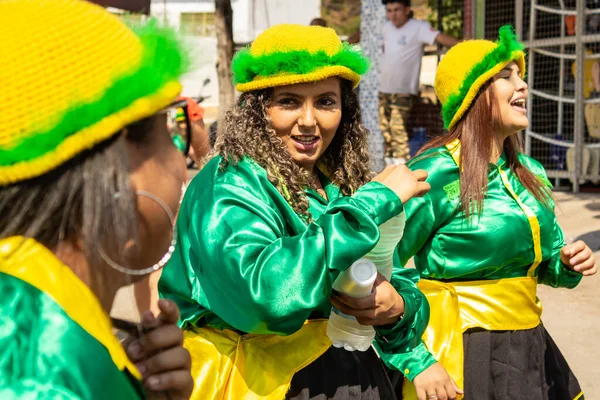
{"x":163,"y":261}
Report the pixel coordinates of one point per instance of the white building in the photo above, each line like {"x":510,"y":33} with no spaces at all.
{"x":195,"y":20}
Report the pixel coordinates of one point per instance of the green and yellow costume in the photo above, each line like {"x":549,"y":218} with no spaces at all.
{"x":73,"y":76}
{"x":57,"y":341}
{"x":251,"y":277}
{"x":481,"y":274}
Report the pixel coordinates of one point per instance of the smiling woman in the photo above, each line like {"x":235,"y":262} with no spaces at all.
{"x":286,"y":206}
{"x":306,"y":117}
{"x":486,"y":235}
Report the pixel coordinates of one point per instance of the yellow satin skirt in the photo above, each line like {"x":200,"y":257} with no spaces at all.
{"x":229,"y":366}
{"x":504,"y":304}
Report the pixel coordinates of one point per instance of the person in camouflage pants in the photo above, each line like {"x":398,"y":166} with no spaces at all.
{"x":394,"y":114}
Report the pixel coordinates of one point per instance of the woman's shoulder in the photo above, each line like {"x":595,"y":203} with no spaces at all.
{"x":244,"y":178}
{"x":216,"y":171}
{"x":438,"y":163}
{"x":443,"y":173}
{"x":535,"y":167}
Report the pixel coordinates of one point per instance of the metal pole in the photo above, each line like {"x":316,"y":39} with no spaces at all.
{"x":480,"y":19}
{"x":561,"y":82}
{"x":468,"y":19}
{"x":579,"y":127}
{"x":519,"y":18}
{"x":530,"y":72}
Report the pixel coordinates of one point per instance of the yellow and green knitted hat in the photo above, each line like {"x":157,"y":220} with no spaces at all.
{"x":468,"y":66}
{"x":72,"y":76}
{"x":287,"y":54}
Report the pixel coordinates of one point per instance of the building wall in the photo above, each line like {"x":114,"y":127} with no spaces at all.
{"x":271,"y":12}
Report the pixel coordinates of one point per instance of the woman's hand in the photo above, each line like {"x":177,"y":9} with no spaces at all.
{"x":579,"y":257}
{"x":160,"y":356}
{"x":435,"y":384}
{"x":404,"y":182}
{"x":384,"y":306}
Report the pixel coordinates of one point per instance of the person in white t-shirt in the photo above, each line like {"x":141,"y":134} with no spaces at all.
{"x":403,"y":41}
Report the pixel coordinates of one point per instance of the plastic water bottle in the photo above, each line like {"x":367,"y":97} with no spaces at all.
{"x":357,"y":281}
{"x":382,"y":255}
{"x":344,"y":330}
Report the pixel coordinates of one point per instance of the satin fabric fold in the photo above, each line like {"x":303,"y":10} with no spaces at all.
{"x":255,"y":366}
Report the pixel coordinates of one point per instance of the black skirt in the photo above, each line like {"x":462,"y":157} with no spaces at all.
{"x":512,"y":365}
{"x":516,"y":365}
{"x":343,"y":375}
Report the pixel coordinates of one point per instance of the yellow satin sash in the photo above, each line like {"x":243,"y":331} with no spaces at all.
{"x":503,"y":304}
{"x":229,"y":366}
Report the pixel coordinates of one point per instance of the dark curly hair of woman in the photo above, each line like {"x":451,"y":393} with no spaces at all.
{"x":247,"y":131}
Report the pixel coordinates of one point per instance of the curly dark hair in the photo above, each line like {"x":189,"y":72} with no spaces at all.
{"x":247,"y":131}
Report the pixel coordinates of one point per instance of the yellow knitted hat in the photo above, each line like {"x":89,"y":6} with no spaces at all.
{"x":287,"y":54}
{"x":468,"y":66}
{"x":72,"y":76}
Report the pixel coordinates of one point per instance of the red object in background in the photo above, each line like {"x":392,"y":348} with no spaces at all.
{"x":195,"y":112}
{"x":135,"y":6}
{"x":570,"y":21}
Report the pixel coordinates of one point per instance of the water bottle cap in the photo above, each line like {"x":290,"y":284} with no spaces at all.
{"x":363,"y":270}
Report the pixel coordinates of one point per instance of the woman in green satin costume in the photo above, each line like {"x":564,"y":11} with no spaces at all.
{"x":482,"y":246}
{"x":269,"y":223}
{"x":82,"y":133}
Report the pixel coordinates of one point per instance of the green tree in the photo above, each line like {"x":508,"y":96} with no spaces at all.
{"x":452,"y":16}
{"x":342,"y":15}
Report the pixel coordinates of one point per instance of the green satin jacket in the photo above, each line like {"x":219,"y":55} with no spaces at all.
{"x":493,"y":245}
{"x":56,"y":341}
{"x":245,"y":260}
{"x":496,"y":244}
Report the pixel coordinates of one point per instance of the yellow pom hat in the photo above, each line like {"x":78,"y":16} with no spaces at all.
{"x":73,"y":75}
{"x":287,"y":54}
{"x":468,"y":66}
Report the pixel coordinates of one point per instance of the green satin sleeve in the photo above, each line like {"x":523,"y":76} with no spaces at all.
{"x":553,"y":272}
{"x":247,"y":258}
{"x":400,"y":346}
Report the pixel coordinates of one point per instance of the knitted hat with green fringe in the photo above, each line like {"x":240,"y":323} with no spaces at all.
{"x":468,"y":66}
{"x":287,"y":54}
{"x":73,"y":75}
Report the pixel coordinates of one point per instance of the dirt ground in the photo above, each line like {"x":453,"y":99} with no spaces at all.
{"x":573,"y":316}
